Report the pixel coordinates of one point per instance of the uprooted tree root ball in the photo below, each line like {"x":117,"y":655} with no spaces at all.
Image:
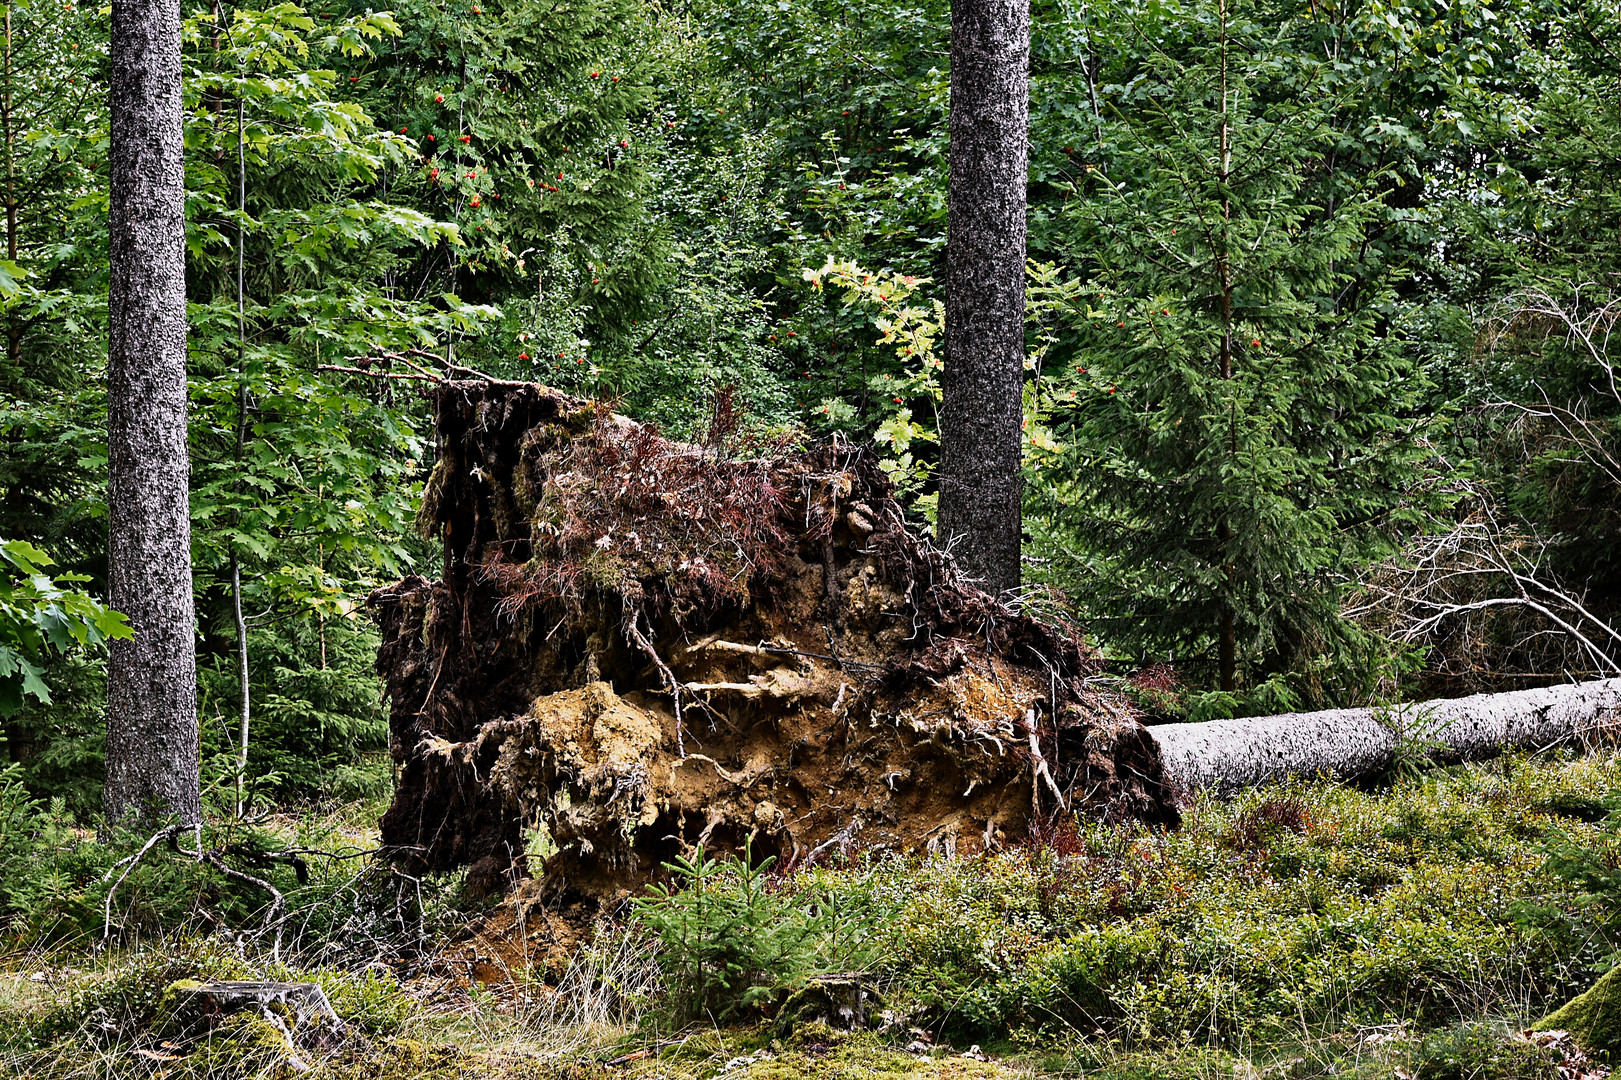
{"x":638,"y":645}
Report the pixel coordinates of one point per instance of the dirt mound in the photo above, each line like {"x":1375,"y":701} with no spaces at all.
{"x":638,"y":645}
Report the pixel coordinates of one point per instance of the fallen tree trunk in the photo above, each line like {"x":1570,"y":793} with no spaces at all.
{"x":1226,"y":756}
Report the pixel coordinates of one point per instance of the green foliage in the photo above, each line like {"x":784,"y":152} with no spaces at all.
{"x":339,"y":907}
{"x":911,"y":327}
{"x":371,"y":1000}
{"x":1585,"y":860}
{"x":60,"y":747}
{"x":728,"y":937}
{"x":317,"y":708}
{"x":1312,"y":906}
{"x":21,"y":819}
{"x":531,"y":127}
{"x":306,"y":486}
{"x":41,"y":614}
{"x":801,"y":132}
{"x":1240,"y":420}
{"x":1415,"y":727}
{"x":128,"y":997}
{"x":1478,"y":1051}
{"x":849,"y":99}
{"x":1529,"y":236}
{"x":733,"y":941}
{"x":109,"y":1006}
{"x":1302,"y":931}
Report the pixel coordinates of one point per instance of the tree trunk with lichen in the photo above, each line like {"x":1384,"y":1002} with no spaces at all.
{"x":152,"y":678}
{"x":981,"y":441}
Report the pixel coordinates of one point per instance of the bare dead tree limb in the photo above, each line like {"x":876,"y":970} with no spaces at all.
{"x":363,"y":365}
{"x":404,"y":377}
{"x":129,"y":864}
{"x":202,"y":857}
{"x":1437,"y":589}
{"x":277,"y":902}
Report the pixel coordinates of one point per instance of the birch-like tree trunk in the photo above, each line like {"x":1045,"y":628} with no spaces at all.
{"x":1226,"y":756}
{"x":982,"y":410}
{"x":151,"y":679}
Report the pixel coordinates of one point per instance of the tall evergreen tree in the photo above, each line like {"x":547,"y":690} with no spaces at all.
{"x":1244,"y":422}
{"x":982,"y":409}
{"x":152,"y":677}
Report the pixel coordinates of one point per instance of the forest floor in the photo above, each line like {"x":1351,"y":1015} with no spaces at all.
{"x":1410,"y":931}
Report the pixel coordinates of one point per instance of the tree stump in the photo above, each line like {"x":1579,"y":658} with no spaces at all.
{"x":842,"y":1002}
{"x":304,"y":1002}
{"x":285,"y":1020}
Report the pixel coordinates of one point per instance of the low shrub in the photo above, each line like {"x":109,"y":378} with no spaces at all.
{"x":339,"y":906}
{"x":119,"y":1000}
{"x":1479,"y":1051}
{"x":734,"y":941}
{"x":1312,"y":904}
{"x":370,"y":1000}
{"x":48,"y":867}
{"x":123,"y":999}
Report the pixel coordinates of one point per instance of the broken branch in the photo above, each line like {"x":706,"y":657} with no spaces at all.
{"x":158,"y":837}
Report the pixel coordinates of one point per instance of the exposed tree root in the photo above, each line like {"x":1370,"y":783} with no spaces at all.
{"x":637,"y":644}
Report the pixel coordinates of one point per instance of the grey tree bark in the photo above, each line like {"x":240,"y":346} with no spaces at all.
{"x":982,"y":411}
{"x":152,"y":679}
{"x":1226,"y":756}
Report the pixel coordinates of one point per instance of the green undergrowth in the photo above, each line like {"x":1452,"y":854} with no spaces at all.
{"x":62,"y":885}
{"x":1305,"y":930}
{"x":1456,"y":895}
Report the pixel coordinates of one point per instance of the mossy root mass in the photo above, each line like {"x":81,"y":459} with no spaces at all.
{"x":640,"y":645}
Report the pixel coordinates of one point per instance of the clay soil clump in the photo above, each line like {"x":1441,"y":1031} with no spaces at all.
{"x":638,"y":645}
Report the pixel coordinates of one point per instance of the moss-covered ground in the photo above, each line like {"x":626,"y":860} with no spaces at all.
{"x":1312,"y":930}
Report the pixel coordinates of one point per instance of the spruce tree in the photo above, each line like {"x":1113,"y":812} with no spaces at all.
{"x":1241,"y":418}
